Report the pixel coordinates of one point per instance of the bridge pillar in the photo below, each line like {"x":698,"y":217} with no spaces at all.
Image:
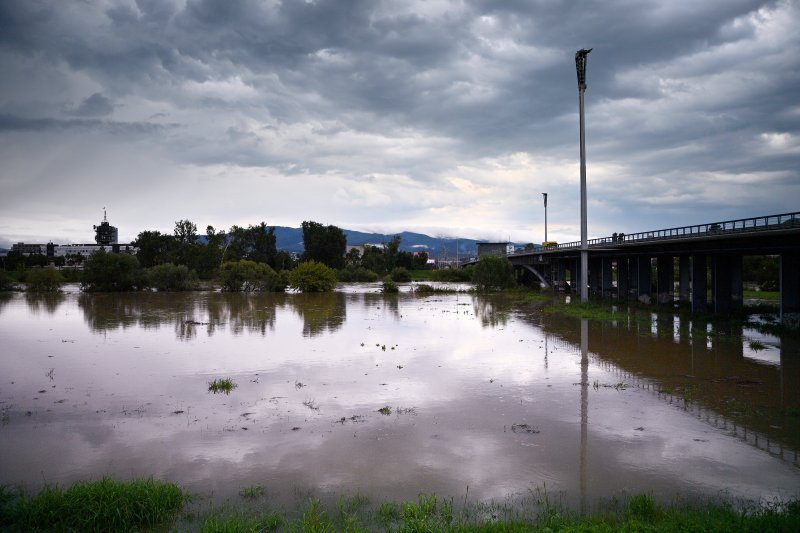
{"x":665,"y":279}
{"x":685,"y":275}
{"x":561,"y":273}
{"x":607,"y":279}
{"x":644,"y":279}
{"x":623,"y":278}
{"x":595,"y":275}
{"x":726,"y":282}
{"x":699,"y":283}
{"x":790,"y":289}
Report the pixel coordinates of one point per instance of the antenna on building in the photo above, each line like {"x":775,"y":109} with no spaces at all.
{"x":104,"y":215}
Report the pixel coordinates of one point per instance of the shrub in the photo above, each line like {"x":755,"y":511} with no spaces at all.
{"x":389,"y":286}
{"x":249,"y":276}
{"x":6,"y":281}
{"x":352,"y":273}
{"x":400,"y":274}
{"x":451,"y":274}
{"x":169,"y":277}
{"x":110,"y":272}
{"x":312,"y":276}
{"x":46,"y":279}
{"x":493,"y":273}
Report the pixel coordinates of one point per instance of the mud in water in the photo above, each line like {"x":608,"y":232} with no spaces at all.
{"x":390,"y":396}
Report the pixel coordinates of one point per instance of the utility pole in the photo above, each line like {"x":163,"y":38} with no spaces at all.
{"x":580,"y":66}
{"x":544,"y":194}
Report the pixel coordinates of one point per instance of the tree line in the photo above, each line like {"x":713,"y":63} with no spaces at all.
{"x":242,"y":259}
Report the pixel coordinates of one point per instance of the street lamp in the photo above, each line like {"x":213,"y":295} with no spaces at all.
{"x":580,"y":66}
{"x":544,"y":194}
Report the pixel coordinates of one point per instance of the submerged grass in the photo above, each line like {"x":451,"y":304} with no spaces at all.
{"x":108,"y":505}
{"x":224,"y":385}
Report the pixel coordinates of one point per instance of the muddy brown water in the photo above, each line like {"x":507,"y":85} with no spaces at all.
{"x":484,"y":393}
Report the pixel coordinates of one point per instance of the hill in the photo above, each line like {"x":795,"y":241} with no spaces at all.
{"x":291,"y":240}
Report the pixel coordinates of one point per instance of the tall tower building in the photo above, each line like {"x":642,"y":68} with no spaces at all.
{"x":105,"y":233}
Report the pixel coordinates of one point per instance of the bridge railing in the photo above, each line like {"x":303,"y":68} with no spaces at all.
{"x":767,"y":223}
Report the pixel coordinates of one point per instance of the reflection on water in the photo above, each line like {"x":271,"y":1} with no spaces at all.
{"x":484,"y":393}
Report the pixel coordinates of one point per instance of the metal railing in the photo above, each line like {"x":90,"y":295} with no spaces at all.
{"x":713,"y":229}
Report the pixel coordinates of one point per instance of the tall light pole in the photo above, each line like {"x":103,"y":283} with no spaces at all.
{"x":580,"y":65}
{"x":544,"y":194}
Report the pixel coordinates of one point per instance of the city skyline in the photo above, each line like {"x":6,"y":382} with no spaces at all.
{"x":443,"y":118}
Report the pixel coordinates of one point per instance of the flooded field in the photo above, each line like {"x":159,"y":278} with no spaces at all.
{"x":474,"y":397}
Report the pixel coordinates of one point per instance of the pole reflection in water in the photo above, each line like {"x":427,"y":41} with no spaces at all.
{"x":584,"y":406}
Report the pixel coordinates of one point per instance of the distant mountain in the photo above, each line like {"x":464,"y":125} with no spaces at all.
{"x":291,"y":240}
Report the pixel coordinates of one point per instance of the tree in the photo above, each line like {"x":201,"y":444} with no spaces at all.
{"x":185,"y":232}
{"x":186,"y":239}
{"x":155,"y":248}
{"x":46,"y":279}
{"x":169,"y":277}
{"x":324,"y":244}
{"x":312,"y":276}
{"x":110,"y":272}
{"x":493,"y":272}
{"x":209,"y":256}
{"x":254,"y":243}
{"x":249,"y":276}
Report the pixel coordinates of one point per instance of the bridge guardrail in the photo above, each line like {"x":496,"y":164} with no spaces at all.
{"x":743,"y":225}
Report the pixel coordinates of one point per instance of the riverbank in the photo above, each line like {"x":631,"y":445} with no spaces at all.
{"x":109,"y":505}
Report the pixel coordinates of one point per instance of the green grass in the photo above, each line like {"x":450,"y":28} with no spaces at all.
{"x":588,"y":310}
{"x":772,"y":296}
{"x":104,"y":505}
{"x":108,"y":505}
{"x":222,"y":385}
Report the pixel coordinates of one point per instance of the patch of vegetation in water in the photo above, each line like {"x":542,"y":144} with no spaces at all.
{"x":222,"y":385}
{"x":587,"y":310}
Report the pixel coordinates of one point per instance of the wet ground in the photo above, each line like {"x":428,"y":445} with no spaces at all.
{"x":390,"y":396}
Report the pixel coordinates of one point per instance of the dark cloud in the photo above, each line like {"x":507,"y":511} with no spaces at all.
{"x":95,"y":105}
{"x":423,"y":90}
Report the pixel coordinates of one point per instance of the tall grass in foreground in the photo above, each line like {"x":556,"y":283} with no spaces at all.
{"x":108,"y":505}
{"x":104,"y":505}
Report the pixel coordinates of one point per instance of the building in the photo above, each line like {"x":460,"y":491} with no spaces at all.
{"x":106,"y":238}
{"x":105,"y":233}
{"x":495,"y":248}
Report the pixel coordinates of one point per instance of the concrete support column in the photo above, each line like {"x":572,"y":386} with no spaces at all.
{"x":721,"y":283}
{"x":737,"y":288}
{"x":645,"y":279}
{"x":685,"y":274}
{"x":790,"y":288}
{"x":665,"y":272}
{"x":623,"y":278}
{"x":699,"y":285}
{"x":595,"y":275}
{"x":607,"y":279}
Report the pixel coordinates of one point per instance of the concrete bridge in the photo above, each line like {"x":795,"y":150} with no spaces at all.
{"x":684,"y":262}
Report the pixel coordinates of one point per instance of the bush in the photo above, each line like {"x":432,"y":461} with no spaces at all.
{"x":400,"y":274}
{"x":351,"y":273}
{"x":311,"y":276}
{"x":109,"y":272}
{"x":6,"y":281}
{"x":169,"y":277}
{"x":493,"y":273}
{"x":451,"y":275}
{"x":46,"y":279}
{"x":389,"y":286}
{"x":249,"y":276}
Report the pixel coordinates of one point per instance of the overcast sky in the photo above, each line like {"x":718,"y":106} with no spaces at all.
{"x":445,"y":117}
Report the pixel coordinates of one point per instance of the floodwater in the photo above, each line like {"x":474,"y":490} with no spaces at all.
{"x":489,"y":398}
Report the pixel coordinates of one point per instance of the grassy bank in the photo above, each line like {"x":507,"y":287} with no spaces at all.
{"x":108,"y":505}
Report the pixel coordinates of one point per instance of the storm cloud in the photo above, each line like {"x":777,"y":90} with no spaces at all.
{"x":448,"y":117}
